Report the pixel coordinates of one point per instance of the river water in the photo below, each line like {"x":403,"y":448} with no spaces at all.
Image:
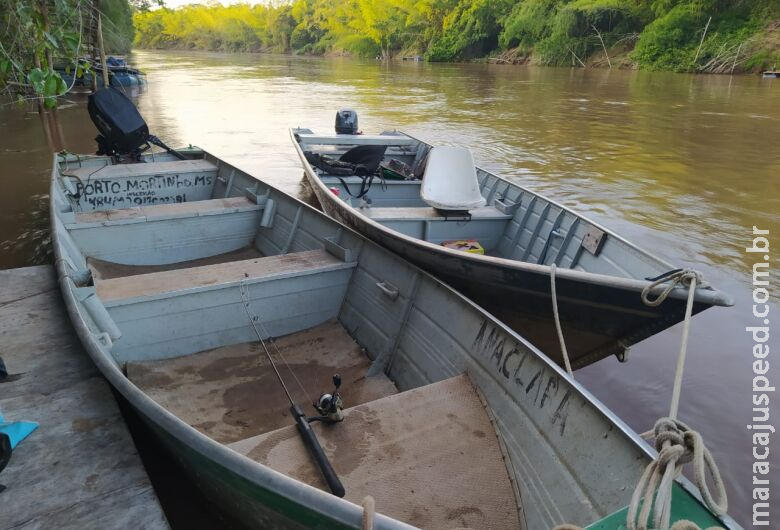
{"x":681,"y":165}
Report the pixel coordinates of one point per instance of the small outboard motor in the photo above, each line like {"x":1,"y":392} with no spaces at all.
{"x":346,"y":122}
{"x":123,"y":132}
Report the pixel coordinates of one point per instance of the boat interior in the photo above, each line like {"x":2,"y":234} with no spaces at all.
{"x":172,"y":262}
{"x":168,"y":281}
{"x":508,"y":221}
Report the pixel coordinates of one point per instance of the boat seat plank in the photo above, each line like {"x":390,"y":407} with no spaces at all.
{"x":428,"y":214}
{"x":167,"y":211}
{"x":230,"y":393}
{"x":430,"y":457}
{"x":279,"y":266}
{"x":105,"y":270}
{"x":143,"y":169}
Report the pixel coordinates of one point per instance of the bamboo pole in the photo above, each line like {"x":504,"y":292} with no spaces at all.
{"x":102,"y":52}
{"x":735,"y":58}
{"x":702,"y":40}
{"x":575,"y":56}
{"x":603,"y":46}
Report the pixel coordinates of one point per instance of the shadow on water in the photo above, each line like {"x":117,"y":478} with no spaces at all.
{"x":34,"y":241}
{"x":182,"y":502}
{"x":684,"y":166}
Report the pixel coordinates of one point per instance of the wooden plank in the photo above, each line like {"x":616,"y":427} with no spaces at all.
{"x":143,"y":169}
{"x":355,"y":139}
{"x":79,"y":469}
{"x":220,"y":273}
{"x":167,"y":211}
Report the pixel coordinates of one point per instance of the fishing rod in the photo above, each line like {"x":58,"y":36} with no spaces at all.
{"x":328,"y":405}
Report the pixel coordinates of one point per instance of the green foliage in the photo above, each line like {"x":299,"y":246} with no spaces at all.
{"x":667,"y":32}
{"x":470,"y":29}
{"x":38,"y":35}
{"x":672,"y":41}
{"x":360,"y":45}
{"x":528,"y":23}
{"x":669,"y":41}
{"x":118,"y":30}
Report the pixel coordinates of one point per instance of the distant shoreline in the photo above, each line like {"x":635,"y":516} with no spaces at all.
{"x":621,"y":62}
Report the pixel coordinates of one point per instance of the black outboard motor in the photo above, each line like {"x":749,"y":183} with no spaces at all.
{"x":346,"y":122}
{"x":123,"y":132}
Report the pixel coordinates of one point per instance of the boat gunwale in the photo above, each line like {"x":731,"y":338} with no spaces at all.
{"x":262,"y":476}
{"x":706,"y":295}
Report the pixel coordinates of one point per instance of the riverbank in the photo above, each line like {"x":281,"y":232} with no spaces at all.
{"x":683,"y":36}
{"x":753,"y":55}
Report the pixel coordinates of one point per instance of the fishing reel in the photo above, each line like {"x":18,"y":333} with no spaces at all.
{"x":329,"y":405}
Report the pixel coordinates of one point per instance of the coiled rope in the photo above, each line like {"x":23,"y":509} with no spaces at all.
{"x":676,"y":443}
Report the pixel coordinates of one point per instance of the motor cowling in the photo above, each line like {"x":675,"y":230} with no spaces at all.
{"x":122,"y":129}
{"x":346,"y":122}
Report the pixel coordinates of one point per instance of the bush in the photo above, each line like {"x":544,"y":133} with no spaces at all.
{"x":471,"y":29}
{"x":668,"y":43}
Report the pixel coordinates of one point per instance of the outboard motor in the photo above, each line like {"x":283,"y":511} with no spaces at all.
{"x":346,"y":122}
{"x":124,"y":134}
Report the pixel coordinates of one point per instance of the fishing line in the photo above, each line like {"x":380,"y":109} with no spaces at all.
{"x":254,"y":319}
{"x":302,"y":423}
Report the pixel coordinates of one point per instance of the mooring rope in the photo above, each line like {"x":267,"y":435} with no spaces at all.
{"x":676,"y":443}
{"x":369,"y":507}
{"x":554,"y":296}
{"x":672,"y":279}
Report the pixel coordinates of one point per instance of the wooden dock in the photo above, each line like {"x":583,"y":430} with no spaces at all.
{"x":80,"y":468}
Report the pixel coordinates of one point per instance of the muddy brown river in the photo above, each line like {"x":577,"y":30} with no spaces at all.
{"x":684,"y":166}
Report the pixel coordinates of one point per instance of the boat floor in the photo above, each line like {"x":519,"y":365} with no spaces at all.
{"x":231,"y":393}
{"x":106,"y":270}
{"x":429,"y":457}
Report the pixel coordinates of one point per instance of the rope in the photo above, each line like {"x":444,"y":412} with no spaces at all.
{"x":369,"y":508}
{"x":564,"y":351}
{"x":676,"y":443}
{"x":673,"y":278}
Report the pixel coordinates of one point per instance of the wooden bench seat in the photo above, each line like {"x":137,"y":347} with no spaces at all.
{"x":167,"y":211}
{"x":426,"y":213}
{"x":429,"y":457}
{"x":143,"y":169}
{"x":207,"y":276}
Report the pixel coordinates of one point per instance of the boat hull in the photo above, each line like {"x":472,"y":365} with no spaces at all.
{"x":598,"y":319}
{"x":420,"y":329}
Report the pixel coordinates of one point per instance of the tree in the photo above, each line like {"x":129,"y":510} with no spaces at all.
{"x":40,"y":37}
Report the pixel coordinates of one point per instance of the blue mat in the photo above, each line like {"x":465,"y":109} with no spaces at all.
{"x":17,"y":431}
